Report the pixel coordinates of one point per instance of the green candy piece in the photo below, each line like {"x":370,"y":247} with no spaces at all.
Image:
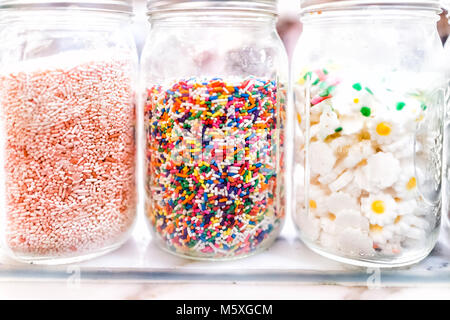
{"x":368,"y":90}
{"x":400,"y":106}
{"x":423,"y":106}
{"x":357,"y":86}
{"x":326,"y":92}
{"x":365,"y":111}
{"x":323,"y":85}
{"x":338,"y":129}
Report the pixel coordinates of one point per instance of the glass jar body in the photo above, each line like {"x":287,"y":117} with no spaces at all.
{"x":67,"y":93}
{"x":369,"y":98}
{"x":446,"y":194}
{"x":215,"y":96}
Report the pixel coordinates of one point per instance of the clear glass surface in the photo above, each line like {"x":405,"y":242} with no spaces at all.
{"x":215,"y":96}
{"x":369,"y":98}
{"x":67,"y":96}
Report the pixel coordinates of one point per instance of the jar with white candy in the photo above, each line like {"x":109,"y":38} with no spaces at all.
{"x":369,"y":99}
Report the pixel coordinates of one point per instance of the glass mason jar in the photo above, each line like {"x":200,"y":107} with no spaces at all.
{"x":68,"y":73}
{"x":369,"y":97}
{"x":215,"y":76}
{"x":445,"y":239}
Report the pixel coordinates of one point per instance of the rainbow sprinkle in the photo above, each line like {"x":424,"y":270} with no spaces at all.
{"x":212,"y":165}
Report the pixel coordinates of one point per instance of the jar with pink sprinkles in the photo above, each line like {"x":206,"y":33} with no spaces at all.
{"x":67,"y":110}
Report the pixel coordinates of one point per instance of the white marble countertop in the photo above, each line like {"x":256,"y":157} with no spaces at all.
{"x":201,"y":291}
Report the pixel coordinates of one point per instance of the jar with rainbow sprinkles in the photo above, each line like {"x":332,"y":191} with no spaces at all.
{"x":215,"y":76}
{"x":369,"y":98}
{"x":68,"y":72}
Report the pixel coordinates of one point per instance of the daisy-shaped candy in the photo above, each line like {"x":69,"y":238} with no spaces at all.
{"x":385,"y":129}
{"x":351,"y":98}
{"x":317,"y":201}
{"x":409,"y":111}
{"x":380,"y":209}
{"x":406,"y":185}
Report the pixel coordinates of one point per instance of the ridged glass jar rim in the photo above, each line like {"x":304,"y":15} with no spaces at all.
{"x":257,"y":6}
{"x":314,"y":6}
{"x":113,"y":6}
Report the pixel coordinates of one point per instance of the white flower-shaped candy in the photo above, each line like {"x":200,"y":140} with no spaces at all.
{"x":342,"y":181}
{"x":415,"y":233}
{"x":382,"y":171}
{"x":351,"y":124}
{"x":327,"y":225}
{"x":357,"y":153}
{"x":408,"y":112}
{"x":407,"y":207}
{"x":413,"y":227}
{"x":349,"y":98}
{"x":353,"y":189}
{"x":355,"y":242}
{"x":317,"y":200}
{"x":328,"y":125}
{"x":327,"y":240}
{"x":322,"y":158}
{"x":329,"y":177}
{"x":299,"y":148}
{"x":351,"y":219}
{"x":308,"y":224}
{"x":406,"y":186}
{"x":362,"y":182}
{"x":342,"y":144}
{"x":381,"y":235}
{"x":380,"y":209}
{"x":385,"y":129}
{"x":401,"y":148}
{"x":341,"y":201}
